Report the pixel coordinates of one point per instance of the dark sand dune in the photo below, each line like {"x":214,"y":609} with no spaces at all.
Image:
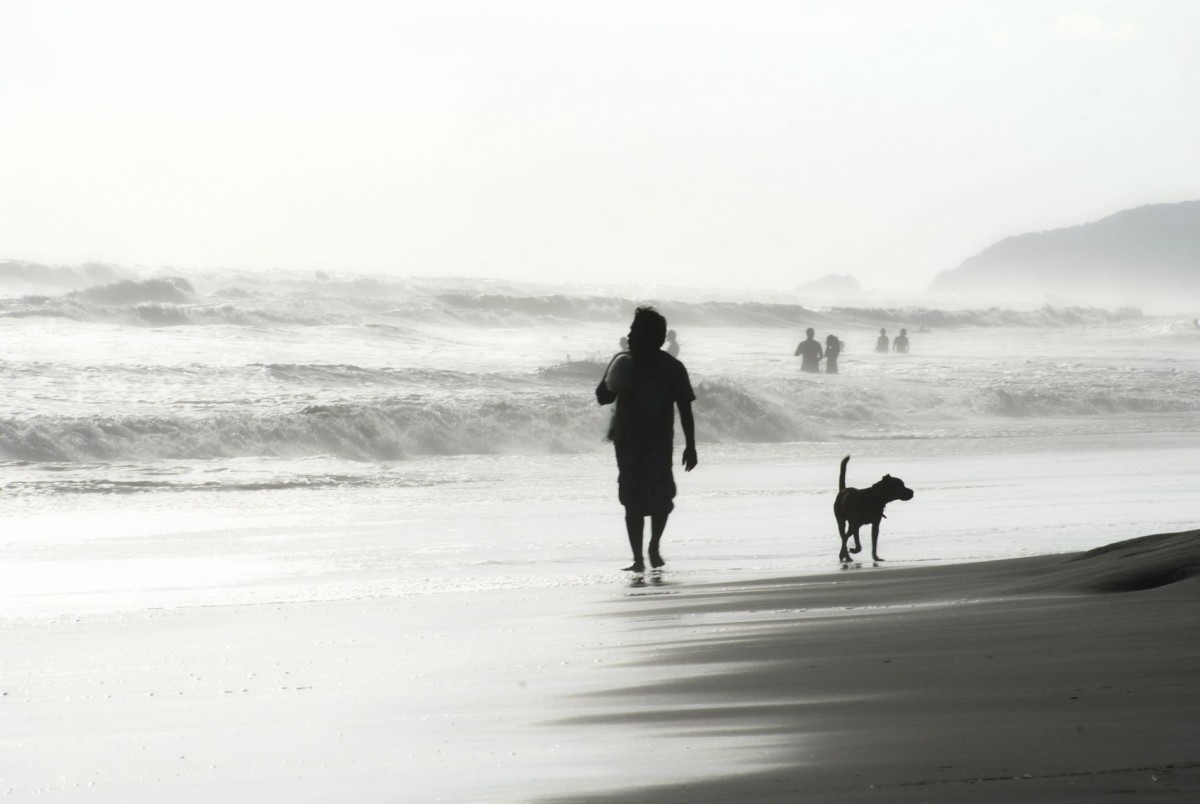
{"x":1070,"y":678}
{"x":1147,"y":562}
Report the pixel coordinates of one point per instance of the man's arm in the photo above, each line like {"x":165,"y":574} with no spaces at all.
{"x":689,"y":435}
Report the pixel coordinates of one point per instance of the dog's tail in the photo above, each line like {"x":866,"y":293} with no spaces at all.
{"x":842,"y":477}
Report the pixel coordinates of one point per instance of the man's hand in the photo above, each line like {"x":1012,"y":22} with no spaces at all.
{"x":689,"y":459}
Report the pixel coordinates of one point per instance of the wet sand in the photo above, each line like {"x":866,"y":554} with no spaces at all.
{"x":1057,"y":678}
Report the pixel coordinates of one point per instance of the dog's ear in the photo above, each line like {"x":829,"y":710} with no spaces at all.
{"x":887,"y":477}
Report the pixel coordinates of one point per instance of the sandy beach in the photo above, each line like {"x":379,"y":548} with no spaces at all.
{"x":310,"y":652}
{"x":1058,"y":678}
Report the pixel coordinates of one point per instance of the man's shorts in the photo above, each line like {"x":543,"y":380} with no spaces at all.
{"x":645,"y":484}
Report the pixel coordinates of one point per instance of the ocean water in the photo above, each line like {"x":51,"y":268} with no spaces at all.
{"x":226,"y":437}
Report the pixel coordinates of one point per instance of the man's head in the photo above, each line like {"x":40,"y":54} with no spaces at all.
{"x":648,"y":330}
{"x":810,"y":332}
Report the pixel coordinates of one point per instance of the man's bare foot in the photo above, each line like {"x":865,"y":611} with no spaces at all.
{"x":656,"y":559}
{"x":636,"y":566}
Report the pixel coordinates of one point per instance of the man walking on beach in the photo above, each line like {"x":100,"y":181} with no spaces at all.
{"x":647,"y":384}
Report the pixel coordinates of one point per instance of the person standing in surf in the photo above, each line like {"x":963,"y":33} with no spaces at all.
{"x":881,"y":345}
{"x":647,"y":385}
{"x":809,"y":352}
{"x":833,"y":348}
{"x":672,"y":344}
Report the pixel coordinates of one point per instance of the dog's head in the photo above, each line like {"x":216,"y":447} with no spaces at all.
{"x":893,"y":488}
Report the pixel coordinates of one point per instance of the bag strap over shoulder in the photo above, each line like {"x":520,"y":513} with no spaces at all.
{"x":603,"y":394}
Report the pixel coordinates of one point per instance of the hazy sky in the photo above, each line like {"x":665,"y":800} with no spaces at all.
{"x":739,"y":143}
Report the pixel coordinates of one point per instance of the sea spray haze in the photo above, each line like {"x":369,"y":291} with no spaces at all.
{"x":138,"y":372}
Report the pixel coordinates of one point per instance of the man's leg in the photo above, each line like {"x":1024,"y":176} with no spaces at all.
{"x":633,"y":526}
{"x":658,"y":523}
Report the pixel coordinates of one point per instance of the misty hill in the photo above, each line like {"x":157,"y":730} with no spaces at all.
{"x":833,"y":284}
{"x":1149,"y":254}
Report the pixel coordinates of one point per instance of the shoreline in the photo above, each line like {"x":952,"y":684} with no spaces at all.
{"x":1061,"y":678}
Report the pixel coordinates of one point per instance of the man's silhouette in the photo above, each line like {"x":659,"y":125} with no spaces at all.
{"x":881,"y":345}
{"x":647,"y":384}
{"x":810,"y":352}
{"x":900,"y":345}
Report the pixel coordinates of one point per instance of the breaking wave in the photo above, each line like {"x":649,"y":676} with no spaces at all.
{"x":101,"y":294}
{"x":1063,"y":394}
{"x":384,"y":430}
{"x":473,"y":414}
{"x":169,"y":290}
{"x":532,"y":421}
{"x":33,"y":274}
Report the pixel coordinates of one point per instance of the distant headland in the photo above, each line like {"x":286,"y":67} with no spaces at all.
{"x":1145,"y":255}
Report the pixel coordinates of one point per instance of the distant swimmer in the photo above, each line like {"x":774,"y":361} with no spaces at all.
{"x":672,"y":346}
{"x":833,"y":348}
{"x":900,"y":345}
{"x":809,"y":352}
{"x":624,"y":343}
{"x":881,"y":345}
{"x":647,"y":384}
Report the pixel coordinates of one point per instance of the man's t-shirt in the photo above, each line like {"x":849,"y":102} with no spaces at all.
{"x":648,"y":387}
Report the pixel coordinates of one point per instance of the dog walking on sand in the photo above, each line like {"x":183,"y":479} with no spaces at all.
{"x":856,"y":507}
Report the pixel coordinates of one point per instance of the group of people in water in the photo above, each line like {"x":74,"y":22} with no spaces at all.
{"x":811,"y":353}
{"x":899,"y":345}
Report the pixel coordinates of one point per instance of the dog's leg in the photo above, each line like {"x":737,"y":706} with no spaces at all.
{"x":844,"y":533}
{"x":857,"y":548}
{"x":875,"y":541}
